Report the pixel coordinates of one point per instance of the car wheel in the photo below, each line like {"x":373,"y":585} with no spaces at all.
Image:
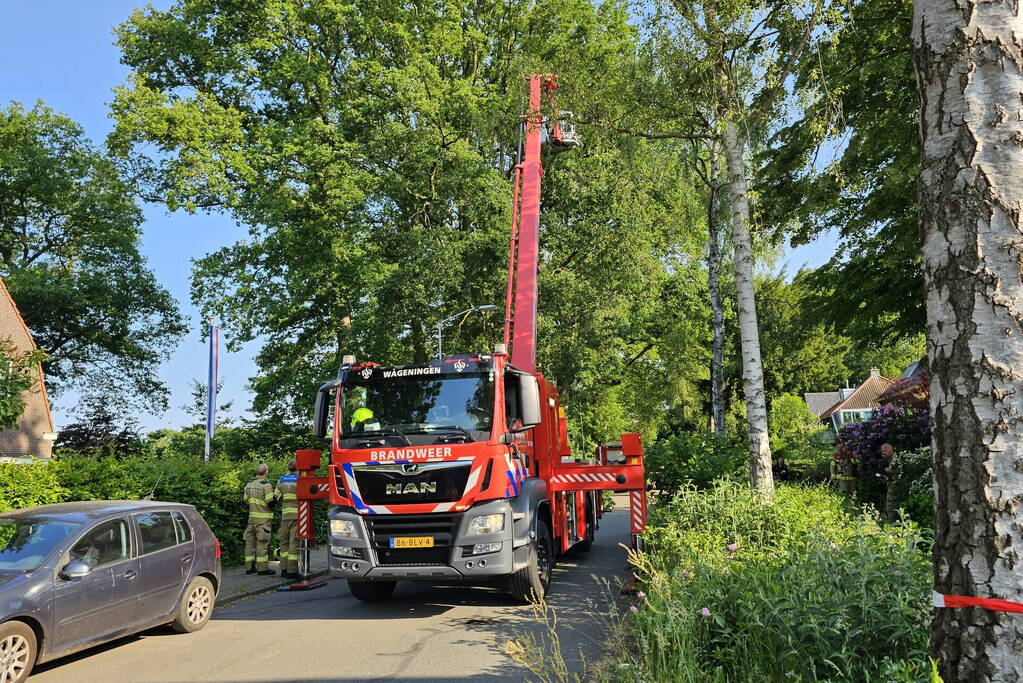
{"x":196,"y":606}
{"x":17,"y":651}
{"x":533,"y":581}
{"x":371,"y":591}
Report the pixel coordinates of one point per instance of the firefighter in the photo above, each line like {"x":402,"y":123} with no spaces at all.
{"x":287,"y":533}
{"x":362,"y":420}
{"x":259,"y":494}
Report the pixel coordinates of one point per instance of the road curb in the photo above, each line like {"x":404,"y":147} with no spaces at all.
{"x":230,"y":600}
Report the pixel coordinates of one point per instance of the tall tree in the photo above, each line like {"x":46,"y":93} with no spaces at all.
{"x":735,"y":57}
{"x":367,"y":148}
{"x":69,"y":252}
{"x":846,"y":168}
{"x":968,"y":61}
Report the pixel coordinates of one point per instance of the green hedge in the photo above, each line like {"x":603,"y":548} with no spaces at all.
{"x":214,"y":488}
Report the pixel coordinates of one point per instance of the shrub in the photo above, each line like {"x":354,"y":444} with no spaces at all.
{"x":694,"y":458}
{"x":803,"y":589}
{"x":214,"y":488}
{"x":23,"y":486}
{"x":911,"y":485}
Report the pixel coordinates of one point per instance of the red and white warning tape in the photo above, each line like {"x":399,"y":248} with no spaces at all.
{"x":992,"y":604}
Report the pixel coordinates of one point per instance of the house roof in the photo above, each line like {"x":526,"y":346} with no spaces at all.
{"x":819,"y":402}
{"x":6,"y":294}
{"x":864,"y":397}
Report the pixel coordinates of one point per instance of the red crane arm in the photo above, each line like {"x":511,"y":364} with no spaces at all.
{"x":523,"y":252}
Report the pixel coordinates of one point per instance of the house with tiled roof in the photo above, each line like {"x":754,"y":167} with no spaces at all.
{"x":849,"y":405}
{"x":34,"y":435}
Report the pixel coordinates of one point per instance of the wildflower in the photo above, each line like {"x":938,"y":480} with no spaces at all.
{"x":633,"y":608}
{"x":640,"y":595}
{"x":686,"y":574}
{"x":705,"y":612}
{"x":833,"y":545}
{"x":732,"y":547}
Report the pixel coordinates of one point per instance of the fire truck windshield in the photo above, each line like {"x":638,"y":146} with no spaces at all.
{"x":418,"y":408}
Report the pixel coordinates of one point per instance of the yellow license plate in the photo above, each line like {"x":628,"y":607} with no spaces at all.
{"x":412,"y":542}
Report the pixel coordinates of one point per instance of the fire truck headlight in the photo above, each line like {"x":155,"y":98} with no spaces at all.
{"x":485,"y":524}
{"x":344,"y":527}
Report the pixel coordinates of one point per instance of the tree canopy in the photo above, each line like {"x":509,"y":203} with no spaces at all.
{"x":368,"y":148}
{"x":69,"y":253}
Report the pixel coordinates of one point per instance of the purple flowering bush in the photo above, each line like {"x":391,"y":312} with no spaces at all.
{"x":906,"y":428}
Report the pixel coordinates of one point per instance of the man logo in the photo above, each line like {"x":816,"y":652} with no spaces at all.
{"x":411,"y":487}
{"x":461,"y":365}
{"x":366,"y":372}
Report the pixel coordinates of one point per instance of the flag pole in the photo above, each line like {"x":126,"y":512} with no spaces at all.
{"x":211,"y":385}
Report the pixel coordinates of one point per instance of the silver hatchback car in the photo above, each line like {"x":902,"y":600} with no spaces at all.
{"x":75,"y":575}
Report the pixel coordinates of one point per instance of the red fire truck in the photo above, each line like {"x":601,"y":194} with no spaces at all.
{"x":460,"y":469}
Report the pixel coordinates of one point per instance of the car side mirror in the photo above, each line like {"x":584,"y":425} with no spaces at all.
{"x":75,"y":569}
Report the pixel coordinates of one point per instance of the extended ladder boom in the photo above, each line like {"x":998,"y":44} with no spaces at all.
{"x":523,"y":253}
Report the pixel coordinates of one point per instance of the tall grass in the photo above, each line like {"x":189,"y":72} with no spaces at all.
{"x":806,"y":589}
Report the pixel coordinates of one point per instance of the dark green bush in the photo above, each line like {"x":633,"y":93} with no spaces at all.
{"x":804,"y":589}
{"x":214,"y":488}
{"x":911,"y":485}
{"x":694,"y":458}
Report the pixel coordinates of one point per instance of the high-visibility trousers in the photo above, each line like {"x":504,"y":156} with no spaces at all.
{"x":257,"y":543}
{"x":288,"y":535}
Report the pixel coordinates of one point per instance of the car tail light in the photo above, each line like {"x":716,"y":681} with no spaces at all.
{"x":216,"y":546}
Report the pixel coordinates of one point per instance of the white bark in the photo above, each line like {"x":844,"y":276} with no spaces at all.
{"x":969,"y":58}
{"x":717,"y":408}
{"x":752,"y":369}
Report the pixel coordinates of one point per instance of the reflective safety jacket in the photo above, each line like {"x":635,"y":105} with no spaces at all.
{"x":259,"y":494}
{"x":286,"y":494}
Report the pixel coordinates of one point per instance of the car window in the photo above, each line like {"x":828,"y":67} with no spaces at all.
{"x":184,"y":532}
{"x":25,"y":543}
{"x":156,"y":530}
{"x":106,"y":544}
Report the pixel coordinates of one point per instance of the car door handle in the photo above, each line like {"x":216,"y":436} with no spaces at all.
{"x":186,"y":558}
{"x":130,"y":574}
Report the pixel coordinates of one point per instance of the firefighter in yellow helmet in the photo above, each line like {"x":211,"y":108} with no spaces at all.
{"x":362,"y":420}
{"x":288,"y":532}
{"x":259,"y":495}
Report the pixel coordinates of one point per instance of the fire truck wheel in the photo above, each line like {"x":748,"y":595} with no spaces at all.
{"x":371,"y":591}
{"x":533,"y":581}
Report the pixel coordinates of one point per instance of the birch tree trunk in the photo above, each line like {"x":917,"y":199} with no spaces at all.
{"x":752,"y":370}
{"x":717,"y":408}
{"x":968,"y":59}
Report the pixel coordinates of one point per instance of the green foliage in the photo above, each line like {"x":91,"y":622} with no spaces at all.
{"x":69,"y":253}
{"x":370,"y":153}
{"x":694,"y":459}
{"x":28,"y":485}
{"x":808,"y":591}
{"x":214,"y":488}
{"x":800,"y":438}
{"x":19,"y":373}
{"x":872,"y":289}
{"x":912,"y":486}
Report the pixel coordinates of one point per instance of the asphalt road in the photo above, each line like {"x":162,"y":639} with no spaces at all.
{"x":425,"y":632}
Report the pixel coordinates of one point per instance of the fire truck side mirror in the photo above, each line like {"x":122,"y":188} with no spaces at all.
{"x":529,"y":398}
{"x":322,"y":410}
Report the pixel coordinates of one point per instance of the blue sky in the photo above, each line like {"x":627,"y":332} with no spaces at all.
{"x":63,"y":53}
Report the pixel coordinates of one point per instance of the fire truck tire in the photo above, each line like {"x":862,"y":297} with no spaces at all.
{"x":371,"y":591}
{"x":533,"y":581}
